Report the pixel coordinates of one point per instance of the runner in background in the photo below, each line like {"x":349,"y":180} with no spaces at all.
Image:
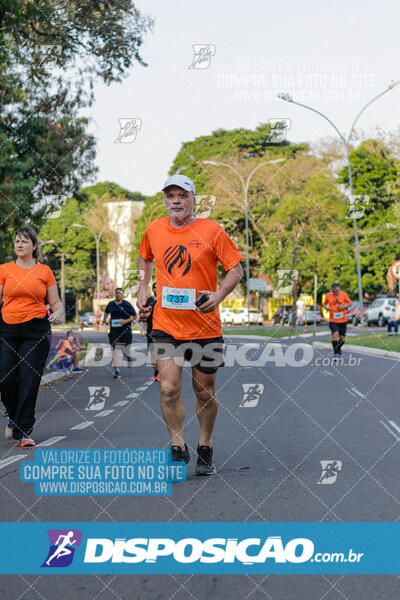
{"x":121,"y":315}
{"x":25,"y":332}
{"x":336,"y":302}
{"x":147,"y":314}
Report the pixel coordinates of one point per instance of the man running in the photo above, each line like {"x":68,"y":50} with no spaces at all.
{"x":121,"y":315}
{"x":186,"y":251}
{"x":336,"y":302}
{"x":151,"y":302}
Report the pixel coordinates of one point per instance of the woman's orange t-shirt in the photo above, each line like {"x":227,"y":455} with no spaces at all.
{"x":24,"y":291}
{"x":186,"y":258}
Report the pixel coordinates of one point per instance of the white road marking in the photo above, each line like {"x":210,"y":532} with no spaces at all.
{"x":121,"y":403}
{"x":141,"y":389}
{"x":395,"y":426}
{"x":350,"y":392}
{"x":11,"y":459}
{"x":328,"y":372}
{"x":105,"y":413}
{"x":133,"y":395}
{"x":390,"y":431}
{"x":83,"y":425}
{"x":355,"y":390}
{"x":51,"y":441}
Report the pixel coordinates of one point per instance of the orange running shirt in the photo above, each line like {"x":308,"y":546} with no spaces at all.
{"x":337,"y":315}
{"x":66,"y":349}
{"x":24,"y":291}
{"x":186,"y":262}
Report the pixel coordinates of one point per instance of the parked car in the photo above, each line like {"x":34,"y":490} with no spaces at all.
{"x":354,"y":312}
{"x":280,"y":317}
{"x":380,"y":311}
{"x":239,"y":316}
{"x":86,"y":320}
{"x":313,"y":314}
{"x":256,"y":316}
{"x":310,"y":315}
{"x":226,"y":316}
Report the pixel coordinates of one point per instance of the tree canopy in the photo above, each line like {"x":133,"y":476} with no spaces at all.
{"x":51,"y":53}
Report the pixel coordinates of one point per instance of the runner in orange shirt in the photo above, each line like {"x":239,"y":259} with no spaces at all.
{"x":186,"y":251}
{"x":337,"y":302}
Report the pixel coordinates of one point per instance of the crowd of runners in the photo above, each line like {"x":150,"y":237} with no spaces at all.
{"x":181,"y":318}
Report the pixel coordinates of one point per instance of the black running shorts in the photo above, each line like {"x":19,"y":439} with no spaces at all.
{"x":120,"y":338}
{"x":340,"y":327}
{"x":203,"y":354}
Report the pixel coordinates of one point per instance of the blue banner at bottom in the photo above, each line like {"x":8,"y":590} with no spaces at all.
{"x":210,"y":548}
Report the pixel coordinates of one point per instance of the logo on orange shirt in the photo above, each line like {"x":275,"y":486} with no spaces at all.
{"x":177,"y":256}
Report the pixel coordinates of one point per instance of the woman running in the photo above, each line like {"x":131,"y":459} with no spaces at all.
{"x":25,"y":332}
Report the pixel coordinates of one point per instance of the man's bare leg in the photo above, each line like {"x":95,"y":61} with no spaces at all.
{"x":115,"y":358}
{"x":206,"y":405}
{"x":172,"y":406}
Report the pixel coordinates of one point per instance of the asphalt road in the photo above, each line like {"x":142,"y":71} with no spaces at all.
{"x":268,"y":450}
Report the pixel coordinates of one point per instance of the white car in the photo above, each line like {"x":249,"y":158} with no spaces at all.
{"x":238,"y":316}
{"x":226,"y":316}
{"x":256,"y":316}
{"x":380,"y":311}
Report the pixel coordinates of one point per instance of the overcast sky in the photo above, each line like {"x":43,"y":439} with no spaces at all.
{"x":333,"y":55}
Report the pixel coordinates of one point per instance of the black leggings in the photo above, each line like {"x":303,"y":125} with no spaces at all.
{"x":24,"y":348}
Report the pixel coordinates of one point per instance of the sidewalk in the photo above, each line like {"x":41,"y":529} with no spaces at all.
{"x":362,"y":350}
{"x":277,"y":339}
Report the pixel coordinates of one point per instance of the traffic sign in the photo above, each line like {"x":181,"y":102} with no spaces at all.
{"x":255,"y":283}
{"x":395,"y":269}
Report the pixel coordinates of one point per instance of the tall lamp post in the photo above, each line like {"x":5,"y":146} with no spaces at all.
{"x":245,"y":186}
{"x":97,"y":238}
{"x":346,"y":142}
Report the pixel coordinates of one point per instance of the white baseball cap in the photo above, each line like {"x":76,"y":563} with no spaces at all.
{"x":181,"y":181}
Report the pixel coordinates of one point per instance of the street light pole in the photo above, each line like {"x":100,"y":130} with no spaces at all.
{"x":346,"y":143}
{"x":245,"y":186}
{"x":97,"y":239}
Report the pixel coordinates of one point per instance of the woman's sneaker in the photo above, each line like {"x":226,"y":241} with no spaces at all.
{"x":204,"y":461}
{"x":26,"y":441}
{"x":8,"y":432}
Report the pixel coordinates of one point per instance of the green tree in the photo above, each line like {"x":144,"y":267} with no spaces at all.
{"x":51,"y":53}
{"x":376,"y":179}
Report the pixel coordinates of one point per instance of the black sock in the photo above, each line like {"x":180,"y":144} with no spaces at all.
{"x":335,"y":346}
{"x":340,"y":344}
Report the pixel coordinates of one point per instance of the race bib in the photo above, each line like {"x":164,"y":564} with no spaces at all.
{"x":338,"y":315}
{"x":178,"y":298}
{"x":116,"y":323}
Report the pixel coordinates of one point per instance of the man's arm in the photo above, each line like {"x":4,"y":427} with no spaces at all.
{"x":105,"y":315}
{"x":131,"y":317}
{"x":230,"y":281}
{"x":146,"y":266}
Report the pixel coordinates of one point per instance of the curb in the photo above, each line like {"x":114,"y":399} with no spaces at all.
{"x":363,"y":350}
{"x":274,"y":339}
{"x":50,"y":378}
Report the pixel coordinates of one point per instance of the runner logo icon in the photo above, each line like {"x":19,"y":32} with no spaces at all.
{"x":251,"y":394}
{"x":63,"y":543}
{"x":177,"y":255}
{"x":98,"y":396}
{"x":330,"y":471}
